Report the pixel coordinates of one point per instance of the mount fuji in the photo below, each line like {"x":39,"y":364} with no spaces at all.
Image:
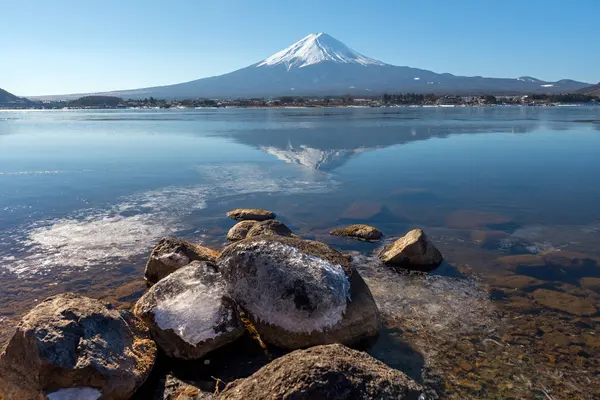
{"x":321,"y":65}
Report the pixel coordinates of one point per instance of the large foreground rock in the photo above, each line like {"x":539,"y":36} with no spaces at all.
{"x":170,"y":254}
{"x":324,"y":372}
{"x":188,"y":312}
{"x":358,"y":231}
{"x":77,"y":346}
{"x":255,"y":214}
{"x":413,"y":250}
{"x":240,"y":230}
{"x":270,"y":227}
{"x":299,"y":293}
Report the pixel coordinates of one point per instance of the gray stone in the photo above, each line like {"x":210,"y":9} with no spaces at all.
{"x":73,"y":345}
{"x":299,"y":293}
{"x":189,"y":313}
{"x":170,"y":254}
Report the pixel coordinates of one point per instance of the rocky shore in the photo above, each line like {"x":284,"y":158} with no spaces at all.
{"x":298,"y":309}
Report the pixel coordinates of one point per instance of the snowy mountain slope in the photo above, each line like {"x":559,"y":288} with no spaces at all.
{"x":318,"y":64}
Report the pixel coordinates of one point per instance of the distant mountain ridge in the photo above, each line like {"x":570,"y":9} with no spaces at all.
{"x":6,"y":97}
{"x":320,"y":65}
{"x":593,"y":90}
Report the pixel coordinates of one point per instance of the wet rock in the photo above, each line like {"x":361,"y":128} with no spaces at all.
{"x":414,"y":250}
{"x":270,"y":227}
{"x":188,"y":312}
{"x":561,"y":266}
{"x":240,"y":230}
{"x":324,"y":372}
{"x":70,"y":345}
{"x":516,"y":281}
{"x":368,"y":211}
{"x":564,"y":302}
{"x":590,"y":283}
{"x":171,"y":254}
{"x":358,"y":231}
{"x":299,"y":293}
{"x":255,"y":214}
{"x":468,"y":219}
{"x":176,"y":389}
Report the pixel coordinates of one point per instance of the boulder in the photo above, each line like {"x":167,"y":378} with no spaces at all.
{"x":358,"y":231}
{"x":564,"y":302}
{"x":299,"y":293}
{"x":172,"y":388}
{"x":324,"y":372}
{"x":256,"y":214}
{"x":70,"y":345}
{"x":188,"y":312}
{"x":413,"y":251}
{"x":170,"y":254}
{"x":240,"y":230}
{"x":270,"y":227}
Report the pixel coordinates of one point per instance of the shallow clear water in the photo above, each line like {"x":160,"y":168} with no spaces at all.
{"x":85,"y":194}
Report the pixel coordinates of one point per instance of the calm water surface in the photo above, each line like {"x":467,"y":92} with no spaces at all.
{"x":510,"y":195}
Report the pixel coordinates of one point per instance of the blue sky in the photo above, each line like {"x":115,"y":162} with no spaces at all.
{"x":67,"y":46}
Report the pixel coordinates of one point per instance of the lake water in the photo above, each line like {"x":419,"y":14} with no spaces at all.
{"x":509,"y":194}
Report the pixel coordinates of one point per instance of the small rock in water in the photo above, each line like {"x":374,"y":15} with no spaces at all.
{"x":255,"y":214}
{"x":358,"y":231}
{"x":240,"y":230}
{"x":414,"y":250}
{"x":170,"y":254}
{"x":71,"y":346}
{"x":188,"y":312}
{"x":299,"y":293}
{"x":324,"y":372}
{"x":564,"y":302}
{"x":270,"y":227}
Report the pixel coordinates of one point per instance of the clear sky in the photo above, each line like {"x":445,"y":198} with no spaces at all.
{"x":76,"y":46}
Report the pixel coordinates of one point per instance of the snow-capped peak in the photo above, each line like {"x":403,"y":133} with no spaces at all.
{"x":316,"y":48}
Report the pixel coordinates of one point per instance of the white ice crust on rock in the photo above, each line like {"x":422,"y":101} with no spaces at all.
{"x":76,"y":393}
{"x":283,"y":273}
{"x":193,"y":312}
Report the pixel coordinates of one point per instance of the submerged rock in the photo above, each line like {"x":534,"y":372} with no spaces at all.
{"x":358,"y":231}
{"x":324,"y":372}
{"x":188,"y":312}
{"x":270,"y":227}
{"x":590,"y":283}
{"x":564,"y":302}
{"x":170,"y":254}
{"x":557,"y":265}
{"x":414,"y":250}
{"x":240,"y":230}
{"x":70,"y":346}
{"x":299,"y":293}
{"x":256,"y":214}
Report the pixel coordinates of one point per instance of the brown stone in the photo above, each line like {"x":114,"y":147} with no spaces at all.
{"x":240,"y":230}
{"x":324,"y":372}
{"x":270,"y":227}
{"x":413,"y":250}
{"x":516,"y":281}
{"x":71,"y":343}
{"x":255,"y":214}
{"x":358,"y":231}
{"x":170,"y":254}
{"x":590,"y":283}
{"x":564,"y":302}
{"x":557,"y":339}
{"x":468,"y":219}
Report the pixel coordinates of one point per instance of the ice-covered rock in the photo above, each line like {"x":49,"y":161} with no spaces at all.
{"x":240,"y":230}
{"x":413,"y":250}
{"x":324,"y":372}
{"x":70,"y":346}
{"x":299,"y":293}
{"x":358,"y":231}
{"x":270,"y":227}
{"x":188,"y":312}
{"x":170,"y":254}
{"x":255,"y":214}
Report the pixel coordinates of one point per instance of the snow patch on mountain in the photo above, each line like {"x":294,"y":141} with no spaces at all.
{"x":317,"y":48}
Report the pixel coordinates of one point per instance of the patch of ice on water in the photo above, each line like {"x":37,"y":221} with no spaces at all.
{"x":121,"y":231}
{"x":76,"y":393}
{"x":280,"y":267}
